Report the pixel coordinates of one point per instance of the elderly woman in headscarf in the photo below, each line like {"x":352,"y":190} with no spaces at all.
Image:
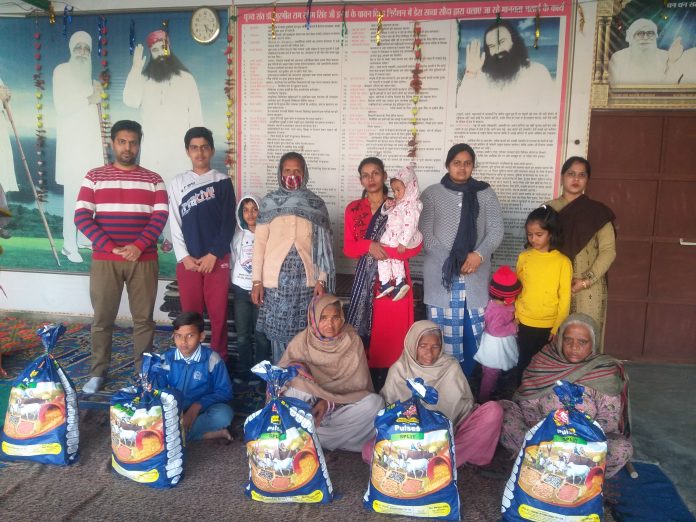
{"x":476,"y":428}
{"x":574,"y":357}
{"x":334,"y":377}
{"x":293,"y":254}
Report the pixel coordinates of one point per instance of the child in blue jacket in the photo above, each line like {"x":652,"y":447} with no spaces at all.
{"x":201,"y":376}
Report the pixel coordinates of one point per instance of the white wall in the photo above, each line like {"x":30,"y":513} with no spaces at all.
{"x":69,"y":294}
{"x":59,"y":294}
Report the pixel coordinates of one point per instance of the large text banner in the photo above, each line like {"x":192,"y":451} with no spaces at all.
{"x":337,"y":99}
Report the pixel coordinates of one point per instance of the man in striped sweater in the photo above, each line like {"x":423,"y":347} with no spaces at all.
{"x":122,"y":209}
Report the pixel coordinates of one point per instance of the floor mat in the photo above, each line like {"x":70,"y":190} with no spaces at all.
{"x":18,"y":334}
{"x":73,"y":353}
{"x":652,"y":496}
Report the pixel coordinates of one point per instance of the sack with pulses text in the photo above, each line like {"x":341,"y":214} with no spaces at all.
{"x":42,"y":420}
{"x":147,"y":441}
{"x":559,"y":472}
{"x":413,"y":470}
{"x":286,"y":462}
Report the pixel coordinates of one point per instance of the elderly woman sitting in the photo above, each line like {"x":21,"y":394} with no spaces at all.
{"x":334,"y":377}
{"x":573,"y":357}
{"x":476,"y":429}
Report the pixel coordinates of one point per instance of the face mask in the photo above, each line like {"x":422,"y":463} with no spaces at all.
{"x":292,"y":182}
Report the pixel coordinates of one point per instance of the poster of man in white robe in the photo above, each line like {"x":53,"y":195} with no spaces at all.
{"x":75,"y":97}
{"x":653,"y":45}
{"x":166,"y":94}
{"x":8,"y":180}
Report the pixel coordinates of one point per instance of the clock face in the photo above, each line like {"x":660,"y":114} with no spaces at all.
{"x":205,"y":25}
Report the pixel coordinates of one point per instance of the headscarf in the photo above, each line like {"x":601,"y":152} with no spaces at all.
{"x":407,"y":176}
{"x":303,"y":203}
{"x":598,"y":371}
{"x":336,"y":367}
{"x":445,"y":375}
{"x":81,"y":69}
{"x":465,"y":240}
{"x":580,"y":220}
{"x":240,"y":209}
{"x":154,"y":37}
{"x":79,"y":37}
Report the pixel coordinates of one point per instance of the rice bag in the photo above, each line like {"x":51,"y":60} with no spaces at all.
{"x":147,"y":441}
{"x":42,"y":420}
{"x":286,"y":463}
{"x":559,"y":472}
{"x":413,"y":470}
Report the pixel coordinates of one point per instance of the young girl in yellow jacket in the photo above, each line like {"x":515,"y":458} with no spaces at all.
{"x":546,"y":276}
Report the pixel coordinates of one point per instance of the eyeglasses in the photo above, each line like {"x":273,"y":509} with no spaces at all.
{"x":576,"y":175}
{"x":645,"y":35}
{"x":466,"y":164}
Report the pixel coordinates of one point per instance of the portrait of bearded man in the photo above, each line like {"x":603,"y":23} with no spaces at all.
{"x":644,"y":63}
{"x":503,"y":75}
{"x":75,"y":97}
{"x":167,"y":96}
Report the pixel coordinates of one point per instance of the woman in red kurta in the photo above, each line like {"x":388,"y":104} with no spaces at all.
{"x":382,"y":323}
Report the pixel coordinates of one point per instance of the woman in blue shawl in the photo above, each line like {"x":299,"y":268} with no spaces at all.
{"x":293,"y":254}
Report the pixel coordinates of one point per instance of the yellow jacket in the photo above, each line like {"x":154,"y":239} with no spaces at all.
{"x":545,"y":298}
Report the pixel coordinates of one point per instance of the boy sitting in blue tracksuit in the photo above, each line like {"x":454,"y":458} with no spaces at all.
{"x":201,"y":376}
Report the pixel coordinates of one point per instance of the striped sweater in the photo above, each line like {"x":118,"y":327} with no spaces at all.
{"x":117,"y":207}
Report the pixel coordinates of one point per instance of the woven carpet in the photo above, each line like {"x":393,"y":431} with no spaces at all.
{"x":18,"y":335}
{"x":73,"y":353}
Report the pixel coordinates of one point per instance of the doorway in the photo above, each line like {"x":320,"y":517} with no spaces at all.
{"x":644,"y":169}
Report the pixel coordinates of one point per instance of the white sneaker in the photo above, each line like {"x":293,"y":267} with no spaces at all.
{"x":93,"y":385}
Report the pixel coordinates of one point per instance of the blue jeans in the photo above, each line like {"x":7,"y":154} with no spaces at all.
{"x":245,"y":315}
{"x":215,"y":418}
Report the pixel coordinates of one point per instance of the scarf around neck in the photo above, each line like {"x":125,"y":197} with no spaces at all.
{"x":580,"y":220}
{"x":465,"y":240}
{"x":361,"y":294}
{"x":598,"y":371}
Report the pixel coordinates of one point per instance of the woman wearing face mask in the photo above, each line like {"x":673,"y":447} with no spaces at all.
{"x":293,"y":256}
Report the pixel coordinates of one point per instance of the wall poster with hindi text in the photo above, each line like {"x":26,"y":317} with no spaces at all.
{"x":495,"y":82}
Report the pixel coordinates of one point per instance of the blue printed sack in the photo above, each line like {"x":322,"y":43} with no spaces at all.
{"x":413,"y":469}
{"x":42,"y":420}
{"x":147,"y":443}
{"x":286,"y":463}
{"x":559,"y":472}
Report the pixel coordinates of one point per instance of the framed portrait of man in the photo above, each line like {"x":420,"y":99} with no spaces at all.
{"x":645,"y":54}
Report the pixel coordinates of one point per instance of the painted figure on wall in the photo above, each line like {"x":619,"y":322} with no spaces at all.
{"x":167,"y":95}
{"x":503,"y":71}
{"x":75,"y":97}
{"x":644,"y":63}
{"x":8,"y":179}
